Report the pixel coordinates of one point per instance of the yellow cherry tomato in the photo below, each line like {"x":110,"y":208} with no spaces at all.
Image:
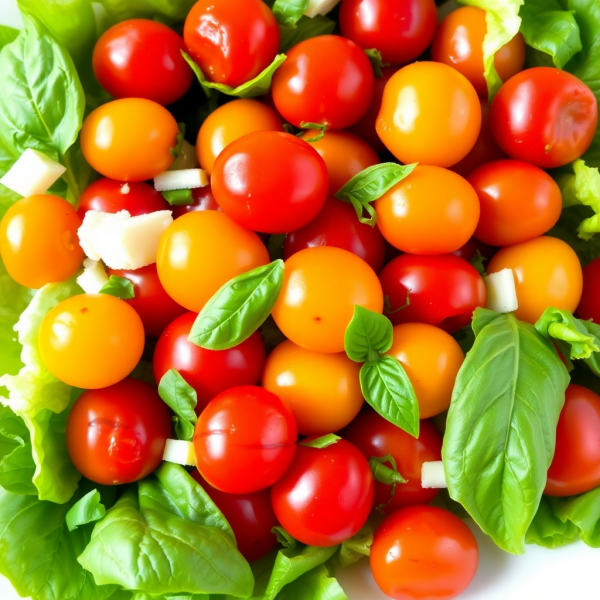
{"x":38,"y":241}
{"x":322,"y":389}
{"x":91,"y":341}
{"x":129,"y":139}
{"x":547,"y":273}
{"x":321,"y":286}
{"x":229,"y":123}
{"x":201,"y":251}
{"x":431,"y":358}
{"x":429,"y":114}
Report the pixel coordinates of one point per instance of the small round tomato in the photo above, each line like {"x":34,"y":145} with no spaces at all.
{"x":575,"y":468}
{"x":117,"y":434}
{"x":518,"y":202}
{"x":400,"y":29}
{"x":458,"y":43}
{"x":432,"y":211}
{"x":129,"y":139}
{"x":38,"y":241}
{"x":431,"y":358}
{"x":336,"y":225}
{"x":91,"y":341}
{"x":322,"y":389}
{"x":321,"y":287}
{"x":140,"y":58}
{"x":589,"y":306}
{"x":544,"y":116}
{"x":203,"y":200}
{"x":250,"y":516}
{"x":429,"y":114}
{"x":288,"y":198}
{"x":374,"y":436}
{"x":335,"y":92}
{"x":442,"y":290}
{"x":231,"y":122}
{"x":325,"y":496}
{"x":209,"y":372}
{"x":547,"y":273}
{"x":201,"y":251}
{"x":423,"y":552}
{"x":232,"y":41}
{"x":245,"y":440}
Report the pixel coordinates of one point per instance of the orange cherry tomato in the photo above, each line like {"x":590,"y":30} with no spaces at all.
{"x":322,"y":389}
{"x":91,"y":341}
{"x":129,"y":139}
{"x":547,"y":273}
{"x":38,"y":240}
{"x":430,"y":114}
{"x":432,"y":211}
{"x":431,"y":358}
{"x":201,"y":251}
{"x":320,"y":288}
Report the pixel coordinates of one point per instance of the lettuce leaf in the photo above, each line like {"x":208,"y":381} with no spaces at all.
{"x":168,"y":11}
{"x":547,"y":529}
{"x":7,"y":35}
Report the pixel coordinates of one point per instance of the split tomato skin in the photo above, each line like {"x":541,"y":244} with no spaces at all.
{"x":589,"y":306}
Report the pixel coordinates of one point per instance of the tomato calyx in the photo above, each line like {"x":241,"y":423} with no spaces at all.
{"x":376,"y":61}
{"x":323,"y":441}
{"x":322,"y":128}
{"x":386,"y":475}
{"x":387,"y":307}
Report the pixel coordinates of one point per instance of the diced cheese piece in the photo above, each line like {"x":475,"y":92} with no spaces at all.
{"x":93,"y":278}
{"x":180,"y":452}
{"x":93,"y":223}
{"x":186,"y":159}
{"x":185,"y":179}
{"x":319,"y":7}
{"x":432,"y":475}
{"x":33,"y":173}
{"x":501,"y":291}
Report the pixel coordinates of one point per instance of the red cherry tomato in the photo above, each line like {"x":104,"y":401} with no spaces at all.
{"x":245,"y":440}
{"x":335,"y":91}
{"x":142,"y":59}
{"x":203,"y":200}
{"x":400,"y":29}
{"x":325,"y":496}
{"x":444,"y":290}
{"x":250,"y":516}
{"x":374,"y":436}
{"x":423,"y":552}
{"x":589,"y":306}
{"x":117,"y":434}
{"x":209,"y":372}
{"x":231,"y":40}
{"x":575,"y":468}
{"x":336,"y":225}
{"x":270,"y":182}
{"x":544,"y":116}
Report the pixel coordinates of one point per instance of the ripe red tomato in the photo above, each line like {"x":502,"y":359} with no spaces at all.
{"x":336,"y":225}
{"x":335,"y":92}
{"x":245,"y":440}
{"x":203,"y":200}
{"x":250,"y":516}
{"x":444,"y":290}
{"x":374,"y":436}
{"x":231,"y":40}
{"x":209,"y":372}
{"x":575,"y":468}
{"x":140,"y":58}
{"x":400,"y":29}
{"x":589,"y":306}
{"x":544,"y":116}
{"x":270,"y":181}
{"x":423,"y":552}
{"x":325,"y":496}
{"x":117,"y":434}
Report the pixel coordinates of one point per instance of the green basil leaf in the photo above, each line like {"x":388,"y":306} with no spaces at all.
{"x":86,"y":510}
{"x":321,"y":442}
{"x":387,"y":388}
{"x":181,"y":399}
{"x":368,"y":335}
{"x":501,"y":427}
{"x":376,"y":61}
{"x":357,"y":546}
{"x":584,"y":512}
{"x":7,"y":35}
{"x":283,"y":537}
{"x":239,"y":308}
{"x":482,"y":317}
{"x":317,"y":584}
{"x":178,"y":197}
{"x":547,"y":529}
{"x":289,"y":12}
{"x":305,"y":29}
{"x":119,"y":287}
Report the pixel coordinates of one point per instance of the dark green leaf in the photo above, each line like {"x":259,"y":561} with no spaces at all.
{"x":368,"y":335}
{"x":547,"y":529}
{"x":283,"y":537}
{"x":443,"y":500}
{"x":289,"y":12}
{"x":477,"y":262}
{"x":566,"y":230}
{"x":86,"y":510}
{"x":178,"y":148}
{"x":593,"y":362}
{"x":178,"y":197}
{"x":275,"y":246}
{"x":376,"y":61}
{"x":181,"y":399}
{"x":321,"y":442}
{"x":119,"y":287}
{"x":305,"y":29}
{"x":356,"y":547}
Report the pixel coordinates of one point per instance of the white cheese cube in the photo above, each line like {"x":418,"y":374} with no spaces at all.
{"x":432,"y":475}
{"x":180,"y":452}
{"x":319,"y":7}
{"x":93,"y":278}
{"x":33,"y":173}
{"x":184,"y":179}
{"x":501,"y":291}
{"x":186,"y":159}
{"x":91,"y":228}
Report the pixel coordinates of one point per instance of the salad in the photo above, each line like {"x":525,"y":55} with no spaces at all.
{"x":289,"y":284}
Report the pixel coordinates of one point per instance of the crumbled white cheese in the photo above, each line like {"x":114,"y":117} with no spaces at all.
{"x":180,"y":452}
{"x":501,"y":291}
{"x":319,"y":7}
{"x":33,"y":173}
{"x":185,"y":179}
{"x":93,"y":278}
{"x":432,"y":475}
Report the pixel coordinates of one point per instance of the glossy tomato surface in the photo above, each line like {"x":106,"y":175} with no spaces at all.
{"x":589,"y":306}
{"x":325,"y":496}
{"x":203,"y":200}
{"x":117,"y":434}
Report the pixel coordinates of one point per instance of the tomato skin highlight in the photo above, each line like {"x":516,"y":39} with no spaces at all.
{"x":232,"y":41}
{"x":209,"y":372}
{"x":325,"y":496}
{"x":589,"y":306}
{"x":117,"y":434}
{"x":245,"y":440}
{"x":544,"y":116}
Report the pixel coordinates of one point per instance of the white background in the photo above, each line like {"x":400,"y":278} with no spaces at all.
{"x":569,"y":573}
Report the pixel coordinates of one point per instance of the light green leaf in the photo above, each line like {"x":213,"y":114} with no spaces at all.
{"x":283,"y":537}
{"x":547,"y":529}
{"x":7,"y":35}
{"x":178,"y":197}
{"x":181,"y":398}
{"x":317,"y":584}
{"x":305,"y":29}
{"x":289,"y":12}
{"x":119,"y":287}
{"x":321,"y":442}
{"x":357,"y":547}
{"x":86,"y":510}
{"x":584,"y":512}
